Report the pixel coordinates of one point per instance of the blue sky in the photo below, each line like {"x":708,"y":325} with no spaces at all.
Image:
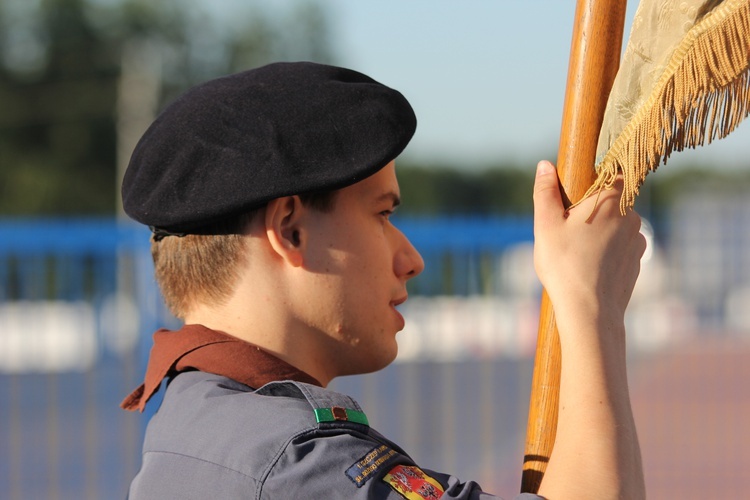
{"x":486,"y":77}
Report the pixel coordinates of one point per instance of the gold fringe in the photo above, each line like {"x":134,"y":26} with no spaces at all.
{"x":702,"y":95}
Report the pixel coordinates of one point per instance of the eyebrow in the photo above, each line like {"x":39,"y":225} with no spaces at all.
{"x":390,"y":195}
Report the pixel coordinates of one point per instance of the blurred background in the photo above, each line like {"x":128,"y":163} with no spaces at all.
{"x":80,"y":80}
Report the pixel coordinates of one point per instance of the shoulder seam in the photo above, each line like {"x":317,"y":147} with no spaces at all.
{"x":282,"y":449}
{"x":311,"y":431}
{"x":163,"y":452}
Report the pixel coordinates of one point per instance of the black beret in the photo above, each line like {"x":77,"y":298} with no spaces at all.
{"x":234,"y":143}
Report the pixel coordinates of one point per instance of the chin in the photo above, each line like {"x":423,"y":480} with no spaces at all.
{"x":377,"y":361}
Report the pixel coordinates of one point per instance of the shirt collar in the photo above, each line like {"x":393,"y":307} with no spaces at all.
{"x":195,"y":347}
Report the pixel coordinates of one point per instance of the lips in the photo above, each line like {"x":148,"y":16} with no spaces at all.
{"x":399,"y":301}
{"x":395,"y":303}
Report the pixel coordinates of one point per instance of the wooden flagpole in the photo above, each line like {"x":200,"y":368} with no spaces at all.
{"x":594,"y":59}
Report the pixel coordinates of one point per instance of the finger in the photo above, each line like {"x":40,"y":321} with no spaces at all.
{"x":548,"y":205}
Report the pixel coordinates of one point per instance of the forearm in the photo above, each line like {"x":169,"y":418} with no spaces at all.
{"x":596,"y":453}
{"x":588,"y":260}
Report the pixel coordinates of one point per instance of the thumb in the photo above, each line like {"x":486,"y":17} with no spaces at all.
{"x":548,"y":203}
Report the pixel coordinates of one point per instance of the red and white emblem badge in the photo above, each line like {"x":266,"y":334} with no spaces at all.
{"x":412,"y":483}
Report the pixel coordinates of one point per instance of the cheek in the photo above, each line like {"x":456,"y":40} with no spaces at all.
{"x":321,"y":303}
{"x":362,"y":261}
{"x":376,"y":254}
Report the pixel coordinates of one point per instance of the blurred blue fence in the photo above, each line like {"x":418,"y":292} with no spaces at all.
{"x":78,"y":304}
{"x":75,"y":294}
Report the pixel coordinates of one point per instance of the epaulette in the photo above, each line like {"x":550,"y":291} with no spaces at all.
{"x":328,"y":406}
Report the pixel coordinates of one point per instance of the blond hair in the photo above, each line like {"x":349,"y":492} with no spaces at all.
{"x":204,"y":268}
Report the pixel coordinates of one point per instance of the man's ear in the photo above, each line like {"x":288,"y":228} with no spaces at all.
{"x":283,"y":228}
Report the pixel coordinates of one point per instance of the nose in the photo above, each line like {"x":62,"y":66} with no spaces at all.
{"x":408,"y":263}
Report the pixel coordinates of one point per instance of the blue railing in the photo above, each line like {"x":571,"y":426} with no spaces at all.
{"x":89,"y":236}
{"x":78,"y":304}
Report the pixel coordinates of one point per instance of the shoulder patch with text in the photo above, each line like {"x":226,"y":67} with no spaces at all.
{"x":367,"y":466}
{"x":413,"y":484}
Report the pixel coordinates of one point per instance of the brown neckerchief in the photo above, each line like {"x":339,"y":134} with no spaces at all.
{"x":195,"y":347}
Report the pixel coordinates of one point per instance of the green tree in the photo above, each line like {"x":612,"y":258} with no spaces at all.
{"x":61,"y":75}
{"x":430,"y":190}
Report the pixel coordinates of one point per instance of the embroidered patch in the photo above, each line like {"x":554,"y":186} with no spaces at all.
{"x":370,"y":464}
{"x":337,"y":413}
{"x":412,"y":483}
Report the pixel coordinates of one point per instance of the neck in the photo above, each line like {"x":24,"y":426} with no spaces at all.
{"x":262,"y":322}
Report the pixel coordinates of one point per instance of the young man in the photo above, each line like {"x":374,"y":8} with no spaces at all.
{"x":269,"y":194}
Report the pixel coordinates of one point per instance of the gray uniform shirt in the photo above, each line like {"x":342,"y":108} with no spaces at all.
{"x":214,"y":438}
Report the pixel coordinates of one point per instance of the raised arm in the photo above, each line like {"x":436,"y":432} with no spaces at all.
{"x":588,"y":261}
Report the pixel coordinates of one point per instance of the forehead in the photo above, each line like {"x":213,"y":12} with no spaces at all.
{"x":382,"y":184}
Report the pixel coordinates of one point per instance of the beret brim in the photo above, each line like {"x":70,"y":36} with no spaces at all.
{"x":234,"y":143}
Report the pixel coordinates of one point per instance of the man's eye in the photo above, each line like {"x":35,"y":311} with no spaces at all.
{"x":386,"y":213}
